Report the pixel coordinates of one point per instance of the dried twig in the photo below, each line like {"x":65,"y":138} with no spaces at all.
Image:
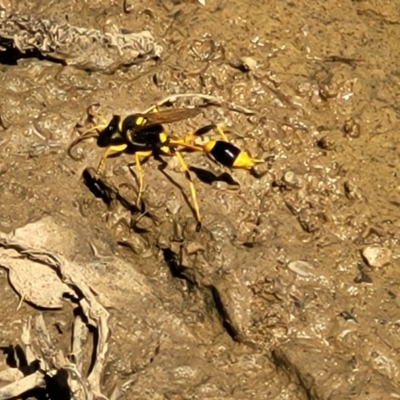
{"x":38,"y":344}
{"x":80,"y":47}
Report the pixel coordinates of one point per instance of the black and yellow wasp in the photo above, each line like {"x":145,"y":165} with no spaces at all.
{"x":143,"y":135}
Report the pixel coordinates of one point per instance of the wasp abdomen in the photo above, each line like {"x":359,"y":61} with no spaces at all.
{"x":225,"y":153}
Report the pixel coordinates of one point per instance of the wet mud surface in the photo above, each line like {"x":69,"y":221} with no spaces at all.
{"x":291,"y":289}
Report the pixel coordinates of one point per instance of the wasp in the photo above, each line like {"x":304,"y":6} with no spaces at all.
{"x":143,"y":135}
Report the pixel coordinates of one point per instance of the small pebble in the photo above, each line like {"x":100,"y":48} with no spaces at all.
{"x":292,"y":180}
{"x":377,"y":256}
{"x":248,"y":63}
{"x":302,"y":268}
{"x":352,"y":128}
{"x":326,"y":143}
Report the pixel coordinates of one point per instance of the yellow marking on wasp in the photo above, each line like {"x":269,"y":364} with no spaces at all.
{"x":243,"y":160}
{"x":209,"y":146}
{"x":140,"y":121}
{"x":120,"y":123}
{"x":154,"y":109}
{"x":129,"y":136}
{"x":165,"y":149}
{"x":218,"y":128}
{"x":163,"y":137}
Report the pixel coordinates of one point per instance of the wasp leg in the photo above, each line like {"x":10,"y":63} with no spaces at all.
{"x":185,"y":169}
{"x":139,"y":169}
{"x":186,"y":146}
{"x":219,"y":129}
{"x":203,"y":131}
{"x":109,"y":151}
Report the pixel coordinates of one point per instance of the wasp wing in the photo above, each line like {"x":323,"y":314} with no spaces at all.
{"x":162,"y":117}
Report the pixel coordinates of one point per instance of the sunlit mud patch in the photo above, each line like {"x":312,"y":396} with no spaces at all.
{"x":290,"y":290}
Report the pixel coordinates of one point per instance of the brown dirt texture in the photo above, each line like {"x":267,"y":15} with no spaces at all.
{"x":290,"y":290}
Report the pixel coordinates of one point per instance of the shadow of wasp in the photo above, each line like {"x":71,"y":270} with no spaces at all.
{"x":143,"y":135}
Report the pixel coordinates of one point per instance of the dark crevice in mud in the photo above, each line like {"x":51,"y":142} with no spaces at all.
{"x":180,"y":271}
{"x":305,"y":382}
{"x":219,"y":306}
{"x":11,"y":56}
{"x":174,"y":262}
{"x":177,"y":269}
